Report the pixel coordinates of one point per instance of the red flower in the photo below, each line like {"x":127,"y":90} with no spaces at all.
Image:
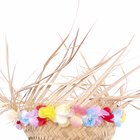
{"x":109,"y":117}
{"x":19,"y":125}
{"x":39,"y":106}
{"x":18,"y":122}
{"x":41,"y":121}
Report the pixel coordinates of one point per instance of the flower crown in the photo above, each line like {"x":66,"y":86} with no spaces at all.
{"x":64,"y":115}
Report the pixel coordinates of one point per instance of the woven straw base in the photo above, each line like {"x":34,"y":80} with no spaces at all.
{"x":54,"y":132}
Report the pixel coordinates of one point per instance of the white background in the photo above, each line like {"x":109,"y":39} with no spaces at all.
{"x":32,"y":26}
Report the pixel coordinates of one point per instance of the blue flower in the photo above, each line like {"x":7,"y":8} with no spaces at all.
{"x":24,"y":118}
{"x":88,"y":121}
{"x":93,"y":117}
{"x":117,"y":117}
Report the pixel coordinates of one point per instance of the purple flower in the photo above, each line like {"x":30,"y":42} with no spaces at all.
{"x":29,"y":118}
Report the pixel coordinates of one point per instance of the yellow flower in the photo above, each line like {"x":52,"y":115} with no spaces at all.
{"x":47,"y":112}
{"x":123,"y":117}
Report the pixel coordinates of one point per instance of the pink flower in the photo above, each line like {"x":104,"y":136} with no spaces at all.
{"x":76,"y":121}
{"x":79,"y":110}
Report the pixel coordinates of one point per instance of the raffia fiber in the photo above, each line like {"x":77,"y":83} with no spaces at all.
{"x":52,"y":131}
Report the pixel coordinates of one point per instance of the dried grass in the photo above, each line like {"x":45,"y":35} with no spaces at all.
{"x":87,"y":88}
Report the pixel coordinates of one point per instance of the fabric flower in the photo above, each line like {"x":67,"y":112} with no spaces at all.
{"x":76,"y":121}
{"x":63,"y":110}
{"x":33,"y":113}
{"x":118,"y":117}
{"x":65,"y":125}
{"x":47,"y":112}
{"x":109,"y":117}
{"x":39,"y":106}
{"x":94,"y":116}
{"x":19,"y":125}
{"x":62,"y":114}
{"x":123,"y":117}
{"x":41,"y":121}
{"x":88,"y":121}
{"x":29,"y":118}
{"x":79,"y":110}
{"x":33,"y":121}
{"x":24,"y":117}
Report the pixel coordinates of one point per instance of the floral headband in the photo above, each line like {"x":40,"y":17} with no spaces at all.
{"x":64,"y":115}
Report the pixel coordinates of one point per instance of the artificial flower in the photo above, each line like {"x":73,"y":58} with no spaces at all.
{"x":62,"y":110}
{"x":33,"y":121}
{"x":79,"y":110}
{"x":39,"y":106}
{"x":62,"y":114}
{"x":29,"y":118}
{"x":19,"y":125}
{"x":47,"y":112}
{"x":118,"y":117}
{"x":61,"y":119}
{"x":76,"y":121}
{"x":24,"y":118}
{"x":41,"y":121}
{"x":33,"y":113}
{"x":65,"y":125}
{"x":88,"y":121}
{"x":94,"y":116}
{"x":109,"y":117}
{"x":90,"y":118}
{"x":123,"y":117}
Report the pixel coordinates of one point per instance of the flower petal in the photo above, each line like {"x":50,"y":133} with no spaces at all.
{"x":61,"y":120}
{"x":65,"y":125}
{"x":39,"y":106}
{"x":76,"y":121}
{"x":41,"y":121}
{"x":33,"y":113}
{"x":24,"y":117}
{"x":123,"y":117}
{"x":110,"y":117}
{"x":99,"y":120}
{"x":104,"y":113}
{"x":63,"y":110}
{"x":19,"y":126}
{"x":42,"y":113}
{"x":33,"y":122}
{"x":79,"y":110}
{"x":47,"y":112}
{"x":88,"y":121}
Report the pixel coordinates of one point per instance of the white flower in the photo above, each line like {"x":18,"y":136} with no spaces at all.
{"x":62,"y":113}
